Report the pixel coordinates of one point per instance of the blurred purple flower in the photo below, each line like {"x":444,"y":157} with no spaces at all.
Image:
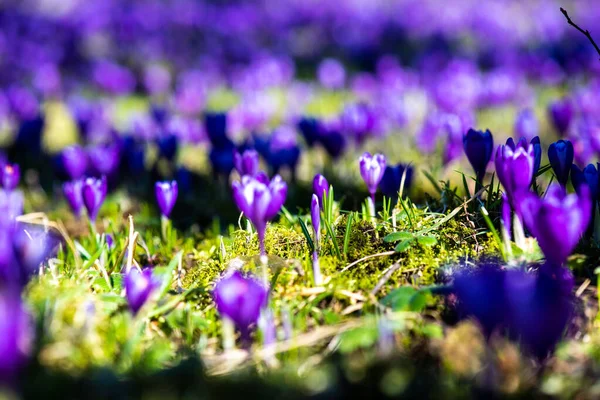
{"x":247,"y":162}
{"x":372,"y":169}
{"x":73,"y":194}
{"x":561,"y":114}
{"x":104,"y":158}
{"x":74,"y":161}
{"x":331,"y":74}
{"x":240,"y":299}
{"x":526,"y":124}
{"x":166,"y":196}
{"x":16,"y":331}
{"x":532,"y":308}
{"x":358,"y":120}
{"x":283,"y":149}
{"x":260,"y":201}
{"x":139,"y":286}
{"x":113,"y":78}
{"x":557,"y":221}
{"x":157,"y":79}
{"x":94,"y":192}
{"x":561,"y":156}
{"x":11,"y":175}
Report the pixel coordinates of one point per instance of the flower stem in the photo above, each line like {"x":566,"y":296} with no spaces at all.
{"x":317,"y":277}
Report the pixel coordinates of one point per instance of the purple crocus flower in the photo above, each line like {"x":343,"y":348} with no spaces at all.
{"x":531,"y":308}
{"x":139,"y":286}
{"x":11,"y":175}
{"x":93,"y":193}
{"x":557,"y":221}
{"x":320,"y":187}
{"x":588,"y":176}
{"x":315,"y":215}
{"x":283,"y":149}
{"x":358,"y":120}
{"x":561,"y":156}
{"x":310,"y":129}
{"x":537,"y":154}
{"x":331,"y":74}
{"x":478,"y":147}
{"x":105,"y":158}
{"x":260,"y":201}
{"x":505,"y":215}
{"x":16,"y":331}
{"x":526,"y":124}
{"x":241,"y":299}
{"x":392,"y":179}
{"x":246,"y":163}
{"x":372,"y":169}
{"x":514,"y":166}
{"x":561,"y":114}
{"x":166,"y":196}
{"x":74,"y":161}
{"x":74,"y":195}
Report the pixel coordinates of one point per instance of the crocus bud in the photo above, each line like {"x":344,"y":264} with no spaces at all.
{"x":74,"y":161}
{"x":139,"y":286}
{"x":283,"y":150}
{"x":11,"y":175}
{"x":526,"y":124}
{"x":310,"y":129}
{"x":372,"y":169}
{"x":105,"y":159}
{"x":260,"y":201}
{"x":166,"y":196}
{"x":514,"y":166}
{"x":537,"y":154}
{"x":320,"y":187}
{"x":557,"y":221}
{"x":16,"y":331}
{"x":315,"y":215}
{"x":478,"y":147}
{"x":246,"y":163}
{"x":216,"y":128}
{"x":561,"y":156}
{"x":588,"y":177}
{"x":392,"y":179}
{"x":93,"y":193}
{"x":241,"y":299}
{"x":73,"y":194}
{"x":561,"y":114}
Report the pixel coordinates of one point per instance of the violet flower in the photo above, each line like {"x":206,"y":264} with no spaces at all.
{"x":392,"y":179}
{"x":11,"y":175}
{"x":94,"y":192}
{"x":515,"y":166}
{"x":105,"y":158}
{"x":139,"y":286}
{"x":320,"y":188}
{"x":283,"y":149}
{"x":315,"y":215}
{"x":74,"y":162}
{"x":478,"y":147}
{"x":16,"y":331}
{"x":589,"y":177}
{"x":310,"y":129}
{"x":166,"y":196}
{"x":358,"y":120}
{"x":260,"y":201}
{"x":557,"y":221}
{"x":241,"y":299}
{"x":561,"y":114}
{"x":331,"y":74}
{"x":372,"y":169}
{"x":246,"y":163}
{"x":526,"y":124}
{"x":561,"y":156}
{"x":74,"y":195}
{"x":531,"y":308}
